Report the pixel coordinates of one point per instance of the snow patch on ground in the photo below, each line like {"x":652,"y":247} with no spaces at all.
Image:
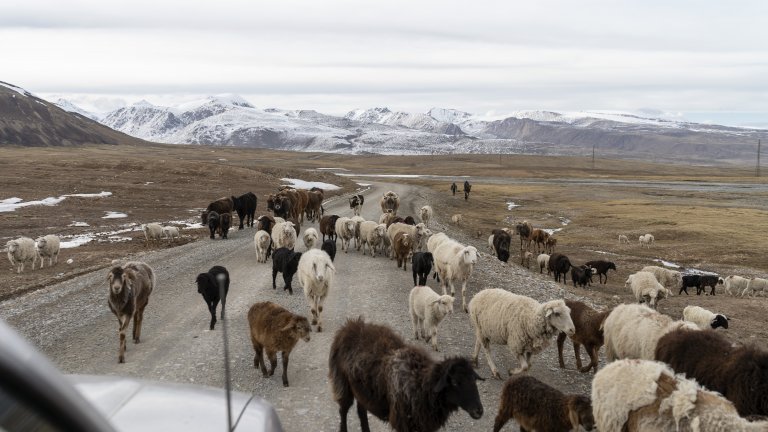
{"x":551,"y":231}
{"x":693,"y":271}
{"x":363,"y":184}
{"x":382,"y":175}
{"x":511,"y":205}
{"x":603,"y":252}
{"x":114,"y":215}
{"x":11,"y":204}
{"x":76,"y":241}
{"x":78,"y":224}
{"x":667,"y":263}
{"x":333,"y":169}
{"x":564,"y":221}
{"x":303,"y":184}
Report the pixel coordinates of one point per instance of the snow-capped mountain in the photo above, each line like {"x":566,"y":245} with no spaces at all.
{"x":71,"y":107}
{"x":423,"y":122}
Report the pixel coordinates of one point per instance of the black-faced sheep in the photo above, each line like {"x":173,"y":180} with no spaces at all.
{"x":704,"y":318}
{"x":275,"y":329}
{"x":396,"y":382}
{"x":285,"y":261}
{"x":601,"y":268}
{"x":21,"y":251}
{"x":421,"y":264}
{"x":129,"y":288}
{"x":208,"y":287}
{"x":427,"y":309}
{"x":316,"y":273}
{"x":589,"y":332}
{"x":48,"y":247}
{"x":329,"y":247}
{"x":536,"y":406}
{"x":245,"y":206}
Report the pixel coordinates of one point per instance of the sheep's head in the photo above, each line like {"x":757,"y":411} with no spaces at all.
{"x":288,"y":228}
{"x":424,"y":212}
{"x":420,"y":229}
{"x":469,"y":254}
{"x":117,"y":279}
{"x":350,"y":226}
{"x":298,"y":327}
{"x":444,"y":304}
{"x":719,"y":320}
{"x":381,"y":230}
{"x":580,"y":412}
{"x":628,"y":281}
{"x":41,"y":242}
{"x":13,"y":246}
{"x":720,"y":281}
{"x":319,"y":268}
{"x":559,"y":316}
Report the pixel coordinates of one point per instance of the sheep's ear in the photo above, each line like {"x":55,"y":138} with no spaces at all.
{"x":548,"y":313}
{"x":291,"y":325}
{"x":445,"y":381}
{"x":331,"y":267}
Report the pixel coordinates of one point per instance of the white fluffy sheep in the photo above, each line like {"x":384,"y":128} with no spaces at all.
{"x":454,"y":262}
{"x":48,"y":247}
{"x":283,"y":235}
{"x":646,"y":240}
{"x":436,"y":240}
{"x":543,"y":261}
{"x":457,"y":219}
{"x":523,"y":324}
{"x":735,"y":284}
{"x":756,"y":285}
{"x":152,"y":231}
{"x":427,"y":309}
{"x":310,"y":238}
{"x":633,"y":330}
{"x":345,"y":229}
{"x":21,"y":251}
{"x":425,"y":213}
{"x":703,"y":318}
{"x":372,"y":235}
{"x":316,"y":273}
{"x":623,"y":239}
{"x":646,"y":288}
{"x":261,"y":242}
{"x":671,"y":279}
{"x":171,"y":232}
{"x":358,"y":220}
{"x":416,"y":232}
{"x":641,"y":395}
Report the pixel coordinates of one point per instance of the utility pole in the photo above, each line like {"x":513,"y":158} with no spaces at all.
{"x":757,"y":169}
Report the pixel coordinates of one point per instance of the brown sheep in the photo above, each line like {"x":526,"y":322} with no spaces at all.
{"x":539,"y":237}
{"x":314,"y":207}
{"x":129,"y":288}
{"x":403,"y":246}
{"x":524,"y":229}
{"x":274,"y":329}
{"x":536,"y":406}
{"x":328,"y":227}
{"x":550,"y":246}
{"x":588,"y":323}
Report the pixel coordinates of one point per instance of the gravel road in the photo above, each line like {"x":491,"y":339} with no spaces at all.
{"x":71,"y":323}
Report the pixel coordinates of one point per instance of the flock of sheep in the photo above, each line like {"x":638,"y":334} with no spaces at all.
{"x":23,"y":250}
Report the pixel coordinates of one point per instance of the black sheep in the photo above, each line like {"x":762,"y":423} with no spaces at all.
{"x":559,"y":264}
{"x":409,"y":220}
{"x":581,"y":275}
{"x":708,"y":281}
{"x":285,"y":261}
{"x":329,"y":247}
{"x":226,"y":222}
{"x":245,"y":206}
{"x":208,"y":286}
{"x":601,"y":267}
{"x":421,"y":264}
{"x":214,"y":222}
{"x":690,"y":281}
{"x":501,"y":242}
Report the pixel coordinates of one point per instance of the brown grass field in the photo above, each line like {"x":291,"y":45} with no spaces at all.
{"x":718,"y":226}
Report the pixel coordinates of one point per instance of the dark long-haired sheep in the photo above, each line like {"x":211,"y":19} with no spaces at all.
{"x":588,"y":323}
{"x":208,"y":287}
{"x":559,"y":264}
{"x":536,"y":406}
{"x":275,"y":329}
{"x":285,"y":261}
{"x":329,"y":247}
{"x":737,"y":372}
{"x":396,"y":382}
{"x":129,"y":288}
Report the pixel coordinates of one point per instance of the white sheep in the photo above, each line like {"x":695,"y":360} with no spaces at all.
{"x":735,"y":283}
{"x":454,"y":262}
{"x":283,"y":235}
{"x":623,"y":239}
{"x":261,"y":242}
{"x":20,"y":251}
{"x":152,"y":231}
{"x":358,"y":220}
{"x":646,"y":288}
{"x":646,"y":240}
{"x":642,"y":395}
{"x":345,"y":229}
{"x":427,"y":309}
{"x":435,"y":241}
{"x":171,"y":232}
{"x":372,"y":235}
{"x":671,"y":279}
{"x":425,"y":213}
{"x":490,"y":244}
{"x":48,"y":247}
{"x":310,"y":238}
{"x":756,"y":285}
{"x":633,"y":330}
{"x":316,"y":273}
{"x":416,"y":232}
{"x":704,"y":318}
{"x":523,"y":324}
{"x":457,"y":219}
{"x":543,"y":261}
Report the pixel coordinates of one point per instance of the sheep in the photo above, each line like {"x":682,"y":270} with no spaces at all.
{"x":416,"y":232}
{"x":543,"y":261}
{"x":421,"y":264}
{"x":645,"y":287}
{"x":427,"y":309}
{"x":20,"y":251}
{"x":47,"y":247}
{"x":226,"y":222}
{"x":152,"y":231}
{"x":425,"y":213}
{"x":589,"y":332}
{"x":213,"y":221}
{"x":129,"y":288}
{"x":524,"y":229}
{"x":704,"y":318}
{"x":735,"y":371}
{"x":735,"y":283}
{"x":402,"y":247}
{"x":455,"y":262}
{"x":525,"y":259}
{"x":581,"y":275}
{"x":549,"y":246}
{"x":328,"y":226}
{"x":285,"y":261}
{"x":641,"y":395}
{"x":539,"y":237}
{"x":275,"y":329}
{"x":345,"y":229}
{"x":435,"y":241}
{"x":316,"y":273}
{"x":457,"y":219}
{"x":310,"y":238}
{"x":536,"y":406}
{"x":208,"y":287}
{"x":520,"y":322}
{"x":601,"y":268}
{"x":358,"y":220}
{"x":756,"y":284}
{"x":623,"y":239}
{"x":690,"y":281}
{"x":386,"y":218}
{"x":559,"y":264}
{"x":397,"y":382}
{"x":501,"y":241}
{"x":632,"y":331}
{"x":283,"y":235}
{"x":389,"y":203}
{"x":329,"y":247}
{"x":356,"y":203}
{"x":646,"y":240}
{"x":372,"y":236}
{"x":708,"y":281}
{"x":671,"y":279}
{"x":266,"y":222}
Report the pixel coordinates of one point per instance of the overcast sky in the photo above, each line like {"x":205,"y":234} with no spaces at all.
{"x":702,"y":60}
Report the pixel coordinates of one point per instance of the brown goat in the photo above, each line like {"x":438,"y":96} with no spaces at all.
{"x":588,"y":323}
{"x":314,"y":207}
{"x":403,"y":246}
{"x":129,"y":288}
{"x":550,"y":246}
{"x":539,"y":237}
{"x":536,"y":406}
{"x":524,"y":229}
{"x":274,"y":329}
{"x":328,"y":226}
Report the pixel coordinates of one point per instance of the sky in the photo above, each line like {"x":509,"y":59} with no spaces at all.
{"x":702,"y":60}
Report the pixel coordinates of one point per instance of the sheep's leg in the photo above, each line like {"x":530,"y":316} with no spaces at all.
{"x":592,"y":351}
{"x":433,"y":337}
{"x":487,"y":350}
{"x":524,"y":365}
{"x":560,"y":342}
{"x":286,"y":354}
{"x":123,"y":320}
{"x":272,"y":356}
{"x":362,"y":413}
{"x":138,"y":319}
{"x":258,"y":359}
{"x":463,"y":295}
{"x":212,"y":310}
{"x":577,"y":353}
{"x":416,"y":325}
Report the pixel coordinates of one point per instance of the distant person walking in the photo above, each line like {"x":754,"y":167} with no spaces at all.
{"x":467,"y":188}
{"x":454,"y":188}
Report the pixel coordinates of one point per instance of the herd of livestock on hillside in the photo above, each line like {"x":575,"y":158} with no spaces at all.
{"x":641,"y":388}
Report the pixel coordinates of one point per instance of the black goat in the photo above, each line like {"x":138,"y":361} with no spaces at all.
{"x":421,"y":264}
{"x":601,"y":267}
{"x":708,"y":281}
{"x":226,"y":222}
{"x":690,"y":281}
{"x":245,"y":206}
{"x":285,"y":261}
{"x":208,"y":286}
{"x":581,"y":275}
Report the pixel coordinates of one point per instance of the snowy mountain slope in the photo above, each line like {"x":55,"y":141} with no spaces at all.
{"x":71,"y":107}
{"x":423,"y":122}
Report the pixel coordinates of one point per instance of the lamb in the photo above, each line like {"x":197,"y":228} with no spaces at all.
{"x":646,"y":288}
{"x":589,"y":332}
{"x":129,"y":288}
{"x":455,"y":262}
{"x":171,"y":232}
{"x":427,"y":309}
{"x":316,"y":273}
{"x":402,"y":246}
{"x":47,"y":247}
{"x":358,"y":220}
{"x":535,"y":406}
{"x":425,"y":213}
{"x":372,"y":236}
{"x":525,"y":258}
{"x":623,"y":239}
{"x":646,"y":240}
{"x":601,"y":268}
{"x":457,"y":219}
{"x":549,"y":246}
{"x":226,"y":222}
{"x":543,"y":261}
{"x":539,"y":237}
{"x":632,"y":331}
{"x":421,"y":264}
{"x":310,"y":238}
{"x":21,"y":251}
{"x":275,"y":329}
{"x":213,"y":221}
{"x":283,"y":235}
{"x":285,"y":261}
{"x":345,"y":228}
{"x":704,"y":318}
{"x":581,"y":275}
{"x":708,"y":281}
{"x":152,"y":231}
{"x":520,"y":322}
{"x":671,"y":279}
{"x":397,"y":382}
{"x":356,"y":203}
{"x":735,"y":283}
{"x":329,"y":247}
{"x":387,"y":218}
{"x":735,"y":371}
{"x":208,"y":287}
{"x":261,"y":241}
{"x":756,"y":285}
{"x":641,"y":395}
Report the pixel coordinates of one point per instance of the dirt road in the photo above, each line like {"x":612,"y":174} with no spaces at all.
{"x":71,"y":323}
